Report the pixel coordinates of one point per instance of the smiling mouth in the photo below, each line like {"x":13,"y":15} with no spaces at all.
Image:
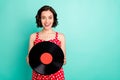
{"x":47,"y":25}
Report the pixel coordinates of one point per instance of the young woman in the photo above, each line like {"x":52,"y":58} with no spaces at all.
{"x":46,"y":18}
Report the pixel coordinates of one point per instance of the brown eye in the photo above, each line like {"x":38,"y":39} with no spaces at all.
{"x":43,"y":17}
{"x":50,"y":17}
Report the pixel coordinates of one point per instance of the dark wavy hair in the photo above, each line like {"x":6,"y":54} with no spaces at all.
{"x":46,"y":8}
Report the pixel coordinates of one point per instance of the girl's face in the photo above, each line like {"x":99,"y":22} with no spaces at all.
{"x":47,"y":19}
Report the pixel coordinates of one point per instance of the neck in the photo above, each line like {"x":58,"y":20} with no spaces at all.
{"x":47,"y":30}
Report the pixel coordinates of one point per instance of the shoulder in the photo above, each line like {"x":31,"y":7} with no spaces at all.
{"x":61,"y":36}
{"x":33,"y":36}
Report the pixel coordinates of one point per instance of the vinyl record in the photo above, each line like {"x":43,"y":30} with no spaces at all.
{"x":46,"y":58}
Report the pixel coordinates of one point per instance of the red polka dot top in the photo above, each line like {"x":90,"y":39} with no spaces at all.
{"x":59,"y":75}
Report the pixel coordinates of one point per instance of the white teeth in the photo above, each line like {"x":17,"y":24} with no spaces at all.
{"x":47,"y":25}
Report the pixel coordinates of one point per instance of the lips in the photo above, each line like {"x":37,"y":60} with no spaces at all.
{"x":47,"y":25}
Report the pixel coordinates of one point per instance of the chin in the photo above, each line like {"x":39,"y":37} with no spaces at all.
{"x":47,"y":27}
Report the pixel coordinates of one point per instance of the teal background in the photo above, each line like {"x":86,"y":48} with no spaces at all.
{"x":91,"y":27}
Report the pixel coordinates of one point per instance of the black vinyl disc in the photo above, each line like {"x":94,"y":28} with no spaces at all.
{"x":46,"y":58}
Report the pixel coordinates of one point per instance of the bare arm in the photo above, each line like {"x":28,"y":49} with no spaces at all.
{"x":63,"y":46}
{"x":31,"y":40}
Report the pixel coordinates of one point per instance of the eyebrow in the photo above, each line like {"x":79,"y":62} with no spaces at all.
{"x":44,"y":15}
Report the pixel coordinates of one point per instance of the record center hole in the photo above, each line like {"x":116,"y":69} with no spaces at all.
{"x":46,"y":58}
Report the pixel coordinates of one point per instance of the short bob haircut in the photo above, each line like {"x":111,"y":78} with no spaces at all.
{"x":46,"y":8}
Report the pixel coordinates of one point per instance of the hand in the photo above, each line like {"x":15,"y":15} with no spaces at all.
{"x":64,"y":61}
{"x":27,"y":59}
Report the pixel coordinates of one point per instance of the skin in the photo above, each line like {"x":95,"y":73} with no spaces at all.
{"x":47,"y":33}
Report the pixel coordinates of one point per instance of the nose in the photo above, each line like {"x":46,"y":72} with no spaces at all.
{"x":47,"y":20}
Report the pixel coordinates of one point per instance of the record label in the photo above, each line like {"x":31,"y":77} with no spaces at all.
{"x":46,"y":58}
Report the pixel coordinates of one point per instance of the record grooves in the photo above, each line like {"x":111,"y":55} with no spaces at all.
{"x":46,"y":58}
